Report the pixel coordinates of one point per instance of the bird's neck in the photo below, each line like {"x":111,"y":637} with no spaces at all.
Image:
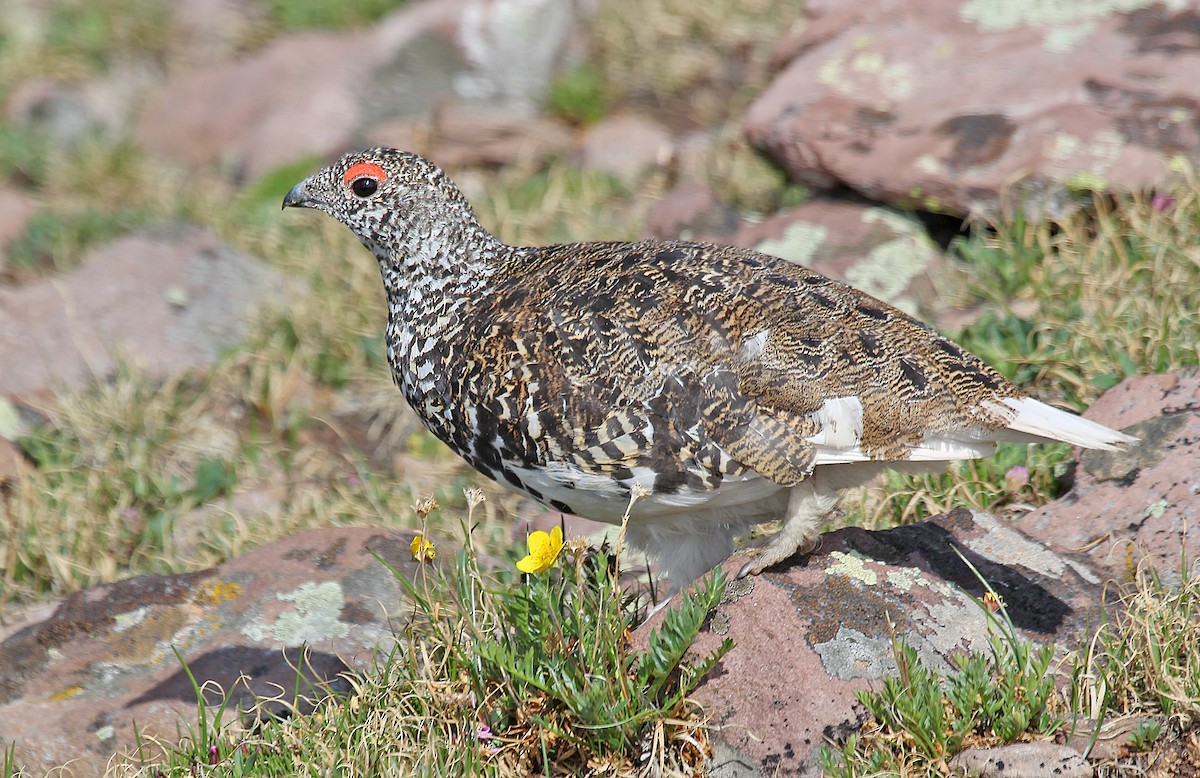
{"x":438,"y":266}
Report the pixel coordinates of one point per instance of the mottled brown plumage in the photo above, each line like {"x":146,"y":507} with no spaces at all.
{"x":734,"y":386}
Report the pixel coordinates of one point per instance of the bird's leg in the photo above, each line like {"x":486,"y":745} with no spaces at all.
{"x":809,"y":503}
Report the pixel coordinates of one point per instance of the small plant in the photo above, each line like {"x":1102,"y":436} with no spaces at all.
{"x":922,"y":720}
{"x":555,"y":659}
{"x":10,"y":768}
{"x":578,"y":95}
{"x":1146,"y":734}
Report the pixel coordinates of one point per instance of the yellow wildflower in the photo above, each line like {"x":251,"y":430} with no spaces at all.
{"x":423,"y":549}
{"x":993,"y":601}
{"x":543,"y":551}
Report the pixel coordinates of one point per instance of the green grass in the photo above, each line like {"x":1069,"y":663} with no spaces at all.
{"x":24,"y":156}
{"x":578,"y":95}
{"x":1095,"y":282}
{"x":1143,"y":661}
{"x":72,"y":40}
{"x":57,"y":242}
{"x":308,"y":14}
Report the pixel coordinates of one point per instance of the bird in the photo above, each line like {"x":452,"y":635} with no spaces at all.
{"x":690,"y":389}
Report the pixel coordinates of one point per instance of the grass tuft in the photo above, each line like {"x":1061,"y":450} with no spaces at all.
{"x":708,"y":58}
{"x":1146,"y":658}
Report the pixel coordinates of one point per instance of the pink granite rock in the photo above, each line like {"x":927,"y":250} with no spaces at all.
{"x":73,"y":686}
{"x":167,"y":300}
{"x":456,"y":137}
{"x":625,"y":145}
{"x":303,"y":94}
{"x":1139,"y":504}
{"x":959,"y":106}
{"x":314,"y":94}
{"x":1039,"y":759}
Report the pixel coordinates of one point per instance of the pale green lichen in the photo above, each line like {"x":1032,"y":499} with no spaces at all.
{"x":1063,"y":40}
{"x":854,"y":655}
{"x":317,"y":616}
{"x":1002,"y":15}
{"x":1155,"y":510}
{"x":797,"y":244}
{"x":1181,"y":164}
{"x":904,"y":578}
{"x":1064,"y":24}
{"x":851,"y":566}
{"x":891,"y":266}
{"x":852,"y":74}
{"x":1063,"y":146}
{"x":870,"y":62}
{"x":11,"y":426}
{"x":123,"y":621}
{"x":1087,"y":182}
{"x":955,"y":623}
{"x":1083,"y":165}
{"x":898,"y":81}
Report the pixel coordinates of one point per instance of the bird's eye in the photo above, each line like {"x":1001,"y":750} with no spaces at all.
{"x":364,"y":186}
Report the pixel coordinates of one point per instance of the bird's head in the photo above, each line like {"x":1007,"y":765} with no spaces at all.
{"x":396,"y":202}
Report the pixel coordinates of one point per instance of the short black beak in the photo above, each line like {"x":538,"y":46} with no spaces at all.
{"x":297,"y":197}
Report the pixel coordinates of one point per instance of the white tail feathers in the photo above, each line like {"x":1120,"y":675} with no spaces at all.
{"x":1034,"y":421}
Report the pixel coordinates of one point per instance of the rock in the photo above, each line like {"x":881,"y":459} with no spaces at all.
{"x":1023,"y":760}
{"x":54,"y":110}
{"x":168,"y":300}
{"x":1114,"y":739}
{"x":810,"y":633}
{"x":72,"y":686}
{"x":1139,"y":504}
{"x":70,"y":113}
{"x":625,"y":146}
{"x":315,"y":94}
{"x":206,"y":32}
{"x":691,"y":211}
{"x":295,"y":98}
{"x":460,"y":137}
{"x":515,"y":47}
{"x":963,"y":107}
{"x":877,"y":250}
